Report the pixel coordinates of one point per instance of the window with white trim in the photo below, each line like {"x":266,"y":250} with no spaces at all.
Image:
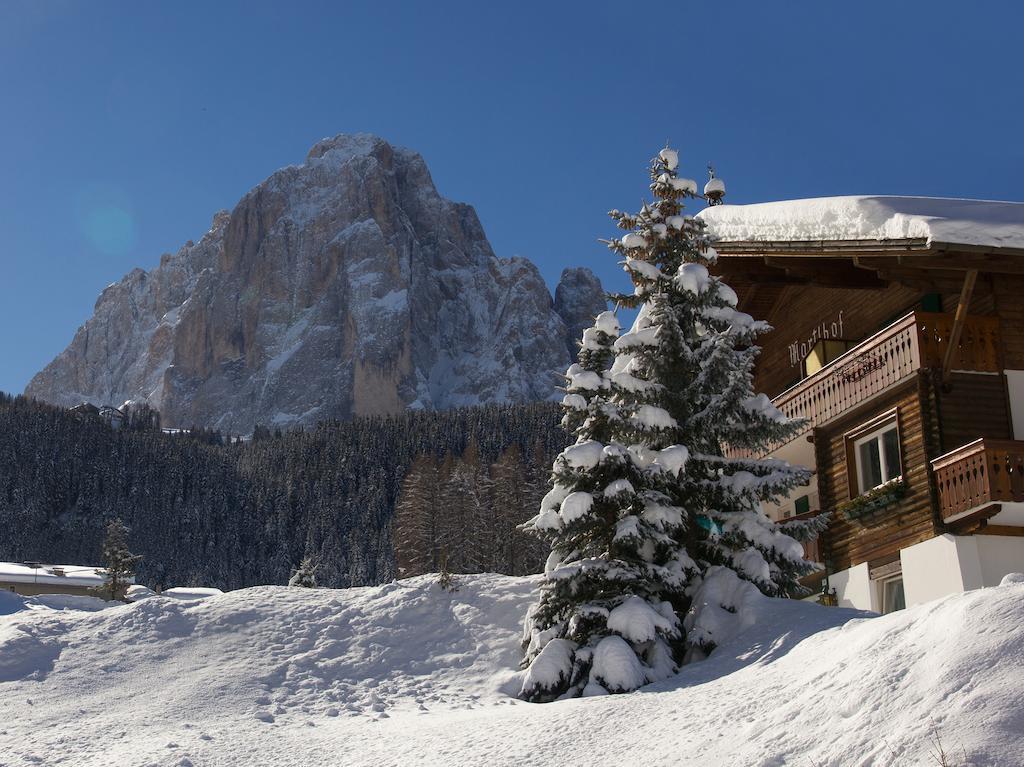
{"x":893,"y":597}
{"x":878,"y":457}
{"x":873,"y":454}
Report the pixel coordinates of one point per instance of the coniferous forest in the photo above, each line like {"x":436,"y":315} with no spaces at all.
{"x":205,"y":509}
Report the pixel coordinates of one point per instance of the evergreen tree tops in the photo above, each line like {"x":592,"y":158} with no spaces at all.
{"x":646,"y":507}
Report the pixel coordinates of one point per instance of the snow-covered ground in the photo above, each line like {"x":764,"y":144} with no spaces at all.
{"x":407,"y":674}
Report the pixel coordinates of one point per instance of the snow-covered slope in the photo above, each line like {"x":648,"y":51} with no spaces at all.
{"x":345,"y":285}
{"x":958,"y":222}
{"x":407,"y":674}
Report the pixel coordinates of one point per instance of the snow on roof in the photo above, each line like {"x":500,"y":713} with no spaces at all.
{"x":982,"y":223}
{"x":72,"y":575}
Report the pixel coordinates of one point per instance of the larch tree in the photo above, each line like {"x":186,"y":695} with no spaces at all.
{"x":414,"y":528}
{"x":654,"y":517}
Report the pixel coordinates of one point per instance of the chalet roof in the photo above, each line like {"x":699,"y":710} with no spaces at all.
{"x":71,"y":575}
{"x":868,"y":224}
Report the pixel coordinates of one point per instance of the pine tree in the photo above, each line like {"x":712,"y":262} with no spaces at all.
{"x":650,"y":512}
{"x":118,"y":561}
{"x":606,"y":620}
{"x":305,"y":574}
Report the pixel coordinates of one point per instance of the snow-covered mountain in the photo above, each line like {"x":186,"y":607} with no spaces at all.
{"x":343,"y":286}
{"x":409,"y":674}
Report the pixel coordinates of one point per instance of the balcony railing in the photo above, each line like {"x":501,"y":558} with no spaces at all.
{"x":977,"y":350}
{"x":977,"y":476}
{"x":891,"y":356}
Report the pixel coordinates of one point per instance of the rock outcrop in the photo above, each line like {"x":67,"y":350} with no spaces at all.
{"x":578,"y":293}
{"x":343,"y":286}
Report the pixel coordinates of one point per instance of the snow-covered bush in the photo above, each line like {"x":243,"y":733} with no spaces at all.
{"x":648,"y":518}
{"x":305,"y":574}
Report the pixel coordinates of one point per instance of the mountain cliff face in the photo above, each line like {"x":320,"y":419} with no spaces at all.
{"x":343,"y":286}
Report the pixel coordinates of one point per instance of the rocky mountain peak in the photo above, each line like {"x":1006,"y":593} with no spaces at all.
{"x":346,"y":285}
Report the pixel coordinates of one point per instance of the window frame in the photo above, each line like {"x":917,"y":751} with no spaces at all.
{"x":859,"y":436}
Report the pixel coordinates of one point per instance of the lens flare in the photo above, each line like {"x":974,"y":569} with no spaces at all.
{"x":106,"y":221}
{"x":110,"y":229}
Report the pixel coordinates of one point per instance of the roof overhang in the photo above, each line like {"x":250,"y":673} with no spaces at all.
{"x":861,"y":264}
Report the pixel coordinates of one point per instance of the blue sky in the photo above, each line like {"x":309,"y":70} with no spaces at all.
{"x":126,"y":125}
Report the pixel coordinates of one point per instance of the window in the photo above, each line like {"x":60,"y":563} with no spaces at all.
{"x":893,"y":598}
{"x":873,"y":454}
{"x":878,"y":458}
{"x":824,"y":352}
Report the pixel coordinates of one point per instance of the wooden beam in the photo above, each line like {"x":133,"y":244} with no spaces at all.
{"x":758,"y":300}
{"x":958,"y":322}
{"x":1000,"y":530}
{"x":759,"y":277}
{"x":827,"y":272}
{"x":822,"y":248}
{"x":950,"y":263}
{"x":969,"y":522}
{"x":834,"y":273}
{"x":929,"y":282}
{"x":753,"y":270}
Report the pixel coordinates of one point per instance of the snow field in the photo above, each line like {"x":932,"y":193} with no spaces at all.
{"x":406,"y":673}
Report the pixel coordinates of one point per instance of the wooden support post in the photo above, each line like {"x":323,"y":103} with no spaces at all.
{"x":958,"y":322}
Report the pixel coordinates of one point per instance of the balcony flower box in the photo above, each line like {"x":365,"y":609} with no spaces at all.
{"x":861,"y":508}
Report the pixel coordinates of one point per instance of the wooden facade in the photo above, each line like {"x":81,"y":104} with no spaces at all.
{"x":923,"y":334}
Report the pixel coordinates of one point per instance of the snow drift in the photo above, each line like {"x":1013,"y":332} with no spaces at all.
{"x":409,"y":674}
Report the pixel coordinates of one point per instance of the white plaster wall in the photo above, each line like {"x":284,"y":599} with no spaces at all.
{"x":798,"y":452}
{"x":1015,"y":388}
{"x":854,"y":588}
{"x":939,"y":566}
{"x":999,"y":555}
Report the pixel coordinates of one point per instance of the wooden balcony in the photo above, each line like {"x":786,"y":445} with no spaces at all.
{"x":891,"y":356}
{"x":974,"y":480}
{"x":977,"y":350}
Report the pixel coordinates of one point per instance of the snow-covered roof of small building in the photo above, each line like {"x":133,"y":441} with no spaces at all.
{"x":73,"y":575}
{"x":972,"y":223}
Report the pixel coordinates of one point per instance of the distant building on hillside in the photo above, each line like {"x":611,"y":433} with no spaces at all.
{"x":33,"y":578}
{"x":899,"y":337}
{"x":85,"y":409}
{"x":114,"y":416}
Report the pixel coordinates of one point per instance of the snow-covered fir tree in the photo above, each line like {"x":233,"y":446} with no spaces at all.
{"x":118,"y":561}
{"x":304,"y":575}
{"x":654,"y":517}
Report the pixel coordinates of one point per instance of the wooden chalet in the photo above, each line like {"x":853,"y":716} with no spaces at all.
{"x":905,"y":355}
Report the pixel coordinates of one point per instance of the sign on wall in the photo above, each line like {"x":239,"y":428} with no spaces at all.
{"x":798,"y":350}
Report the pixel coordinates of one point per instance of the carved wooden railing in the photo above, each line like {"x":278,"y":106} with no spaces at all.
{"x":977,"y":350}
{"x":979,"y":474}
{"x":892,"y":355}
{"x":887,"y":358}
{"x":884,"y":359}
